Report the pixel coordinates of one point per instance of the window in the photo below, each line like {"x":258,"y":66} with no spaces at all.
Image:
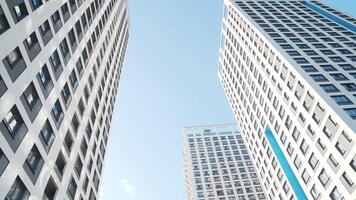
{"x":45,"y":31}
{"x":324,"y":177}
{"x":79,"y":30}
{"x":328,"y":68}
{"x":318,"y":59}
{"x":300,"y":60}
{"x":314,"y":192}
{"x":339,"y":77}
{"x":304,"y":147}
{"x":11,"y":122}
{"x":73,"y":6}
{"x":55,"y":61}
{"x":18,"y":191}
{"x":35,"y":4}
{"x":81,"y":107}
{"x":4,"y":25}
{"x":79,"y":67}
{"x":313,"y":161}
{"x":14,"y":64}
{"x":351,"y":87}
{"x":66,"y":94}
{"x":14,"y":57}
{"x":310,"y":52}
{"x":60,"y":165}
{"x":84,"y":147}
{"x":31,"y":96}
{"x":353,"y":164}
{"x":65,"y":12}
{"x":309,"y":68}
{"x":68,"y":141}
{"x":34,"y":163}
{"x":73,"y":79}
{"x":351,"y":112}
{"x":75,"y":123}
{"x":56,"y":20}
{"x":72,"y":188}
{"x":50,"y":190}
{"x":13,"y":128}
{"x":337,"y":59}
{"x":85,"y":183}
{"x":85,"y":56}
{"x":72,"y":39}
{"x":31,"y":101}
{"x":336,"y":195}
{"x":20,"y":11}
{"x":65,"y":50}
{"x":347,"y":67}
{"x":32,"y":46}
{"x":319,"y":78}
{"x":341,"y":100}
{"x":47,"y":135}
{"x":327,"y":52}
{"x":57,"y":111}
{"x":348,"y":179}
{"x":329,"y":88}
{"x":78,"y":166}
{"x":3,"y":162}
{"x":44,"y":78}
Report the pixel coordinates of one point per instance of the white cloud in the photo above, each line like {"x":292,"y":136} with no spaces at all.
{"x":127,"y":186}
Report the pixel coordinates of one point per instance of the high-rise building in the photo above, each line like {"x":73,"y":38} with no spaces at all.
{"x":59,"y":73}
{"x":218,"y":166}
{"x":288,"y":68}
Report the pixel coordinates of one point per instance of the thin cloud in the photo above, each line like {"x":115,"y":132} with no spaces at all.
{"x":128,"y":187}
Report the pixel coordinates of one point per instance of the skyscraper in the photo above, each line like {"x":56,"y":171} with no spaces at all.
{"x":288,"y":69}
{"x":218,"y":166}
{"x":59,"y":73}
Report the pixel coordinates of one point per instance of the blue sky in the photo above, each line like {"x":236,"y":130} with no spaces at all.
{"x":169,"y":81}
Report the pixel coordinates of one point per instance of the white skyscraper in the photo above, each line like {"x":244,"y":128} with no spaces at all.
{"x":60,"y":65}
{"x":217,"y":165}
{"x":288,"y":69}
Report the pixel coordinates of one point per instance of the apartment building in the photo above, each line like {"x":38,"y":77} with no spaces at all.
{"x":288,"y":69}
{"x":59,"y":72}
{"x":218,"y":166}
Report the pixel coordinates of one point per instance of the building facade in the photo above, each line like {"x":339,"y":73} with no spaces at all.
{"x":288,"y":69}
{"x":59,"y":72}
{"x":218,"y":166}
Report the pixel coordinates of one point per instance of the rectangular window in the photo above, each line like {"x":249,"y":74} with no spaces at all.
{"x":342,"y":100}
{"x":18,"y":190}
{"x":3,"y":162}
{"x":50,"y":190}
{"x":60,"y":164}
{"x":4,"y":25}
{"x":20,"y":11}
{"x":14,"y":63}
{"x":336,"y":195}
{"x":72,"y":188}
{"x":66,"y":95}
{"x":47,"y":135}
{"x":34,"y":159}
{"x":55,"y":61}
{"x":78,"y":166}
{"x":13,"y":121}
{"x":324,"y":177}
{"x":57,"y":111}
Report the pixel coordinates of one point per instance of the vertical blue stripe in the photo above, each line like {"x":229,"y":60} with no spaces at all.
{"x":331,"y":16}
{"x":297,"y":188}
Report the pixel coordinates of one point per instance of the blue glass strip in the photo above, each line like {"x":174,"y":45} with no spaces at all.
{"x":209,"y":133}
{"x":297,"y":188}
{"x":331,"y":16}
